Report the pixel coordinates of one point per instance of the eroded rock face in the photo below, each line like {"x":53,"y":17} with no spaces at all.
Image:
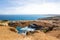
{"x":53,"y":24}
{"x":49,"y":25}
{"x":21,"y":24}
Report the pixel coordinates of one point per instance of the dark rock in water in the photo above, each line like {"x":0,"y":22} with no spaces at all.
{"x":41,"y":28}
{"x":36,"y":27}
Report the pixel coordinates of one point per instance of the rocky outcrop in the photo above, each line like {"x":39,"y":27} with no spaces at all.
{"x":50,"y":18}
{"x":6,"y":34}
{"x":50,"y":25}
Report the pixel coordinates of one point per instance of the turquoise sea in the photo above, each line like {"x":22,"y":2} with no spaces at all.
{"x":20,"y":17}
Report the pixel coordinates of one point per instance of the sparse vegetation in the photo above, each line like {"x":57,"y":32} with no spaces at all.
{"x":4,"y":21}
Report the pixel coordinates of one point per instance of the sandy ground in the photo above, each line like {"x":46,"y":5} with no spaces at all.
{"x":7,"y":34}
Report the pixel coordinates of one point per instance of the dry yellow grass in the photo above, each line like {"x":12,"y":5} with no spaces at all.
{"x":54,"y":33}
{"x":6,"y":34}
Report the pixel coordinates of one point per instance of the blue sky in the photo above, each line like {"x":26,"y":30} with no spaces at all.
{"x":12,"y":7}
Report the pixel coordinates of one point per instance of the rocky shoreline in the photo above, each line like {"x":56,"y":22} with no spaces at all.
{"x":53,"y":34}
{"x":51,"y":31}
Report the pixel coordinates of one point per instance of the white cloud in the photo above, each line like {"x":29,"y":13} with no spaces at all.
{"x":46,"y":8}
{"x":32,"y":7}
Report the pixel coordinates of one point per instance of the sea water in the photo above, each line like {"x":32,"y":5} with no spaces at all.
{"x":20,"y":17}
